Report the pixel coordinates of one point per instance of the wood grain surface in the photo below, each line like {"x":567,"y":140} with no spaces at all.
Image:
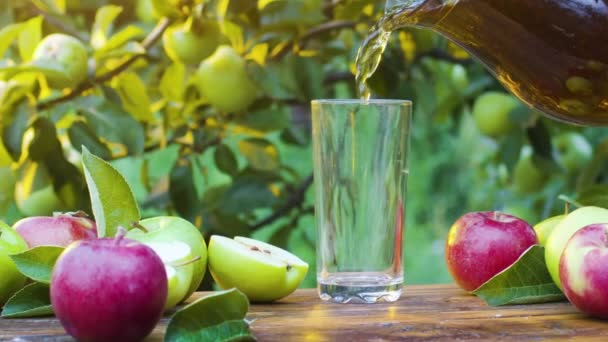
{"x":433,"y":312}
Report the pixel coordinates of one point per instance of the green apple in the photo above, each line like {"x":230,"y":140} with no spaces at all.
{"x":545,"y":227}
{"x":527,"y":176}
{"x":178,"y":259}
{"x":190,"y":44}
{"x":11,"y":280}
{"x":172,"y":228}
{"x":34,"y":192}
{"x":573,"y":151}
{"x":491,"y":113}
{"x":67,"y":57}
{"x":261,"y":271}
{"x":564,"y":230}
{"x":223,"y":80}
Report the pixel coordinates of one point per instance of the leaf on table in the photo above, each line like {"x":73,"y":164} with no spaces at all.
{"x":217,"y":317}
{"x":527,"y":281}
{"x":33,"y":300}
{"x":37,"y":263}
{"x":112,"y":200}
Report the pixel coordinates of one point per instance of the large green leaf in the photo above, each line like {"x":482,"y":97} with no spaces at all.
{"x":37,"y":263}
{"x":217,"y":317}
{"x":112,"y":200}
{"x":81,"y":134}
{"x":31,"y":301}
{"x":527,"y":281}
{"x":30,"y":37}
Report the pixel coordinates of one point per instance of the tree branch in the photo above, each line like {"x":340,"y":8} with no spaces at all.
{"x":148,"y":42}
{"x":315,"y":31}
{"x":295,"y":200}
{"x":59,"y":24}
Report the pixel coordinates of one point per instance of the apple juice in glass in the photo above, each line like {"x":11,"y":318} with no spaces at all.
{"x":360,"y":151}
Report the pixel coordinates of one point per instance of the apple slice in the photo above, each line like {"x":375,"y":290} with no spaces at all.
{"x":261,"y":271}
{"x":178,"y":260}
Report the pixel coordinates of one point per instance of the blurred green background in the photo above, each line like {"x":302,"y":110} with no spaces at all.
{"x":222,"y":136}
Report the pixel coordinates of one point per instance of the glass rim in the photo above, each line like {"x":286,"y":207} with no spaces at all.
{"x":361,"y":102}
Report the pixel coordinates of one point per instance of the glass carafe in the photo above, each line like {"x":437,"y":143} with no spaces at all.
{"x":552,"y":54}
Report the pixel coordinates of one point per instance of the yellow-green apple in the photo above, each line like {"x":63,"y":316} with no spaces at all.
{"x":260,"y":270}
{"x":223,"y":81}
{"x":528,"y":177}
{"x":172,"y":228}
{"x":58,"y":230}
{"x":583,"y":269}
{"x":189,"y":43}
{"x":109,"y":289}
{"x":544,"y":228}
{"x":67,"y":56}
{"x":177,"y":257}
{"x":564,"y":230}
{"x":573,"y":151}
{"x":491,"y":113}
{"x":482,"y":244}
{"x":11,"y":280}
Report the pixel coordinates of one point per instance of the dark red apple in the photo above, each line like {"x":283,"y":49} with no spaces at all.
{"x":109,"y":290}
{"x":583,"y":269}
{"x":59,"y":230}
{"x":482,"y":244}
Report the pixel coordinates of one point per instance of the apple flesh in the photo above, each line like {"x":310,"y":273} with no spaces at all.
{"x":172,"y":228}
{"x":261,"y":271}
{"x":11,"y":280}
{"x":482,"y":244}
{"x":109,"y":290}
{"x":560,"y":235}
{"x":583,"y":270}
{"x":177,"y":257}
{"x":59,"y":230}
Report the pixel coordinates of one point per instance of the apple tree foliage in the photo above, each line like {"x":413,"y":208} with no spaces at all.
{"x":221,"y":136}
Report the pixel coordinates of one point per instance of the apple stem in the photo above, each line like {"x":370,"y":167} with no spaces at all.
{"x":567,"y":208}
{"x":120,"y":234}
{"x":187,"y":262}
{"x":138,"y":225}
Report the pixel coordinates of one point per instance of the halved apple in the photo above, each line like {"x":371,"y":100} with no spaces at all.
{"x":260,"y":270}
{"x":178,"y":259}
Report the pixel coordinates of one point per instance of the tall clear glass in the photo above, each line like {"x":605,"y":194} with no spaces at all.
{"x":360,"y":170}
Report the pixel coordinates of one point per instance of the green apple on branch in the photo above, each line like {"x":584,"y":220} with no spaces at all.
{"x":11,"y":280}
{"x":260,"y":270}
{"x":165,"y":229}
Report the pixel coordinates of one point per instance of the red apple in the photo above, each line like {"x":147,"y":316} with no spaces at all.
{"x":109,"y":290}
{"x":583,"y":269}
{"x":482,"y":244}
{"x":59,"y":230}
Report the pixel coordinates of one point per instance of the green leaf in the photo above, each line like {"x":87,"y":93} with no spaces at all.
{"x":112,"y":123}
{"x":182,"y":190}
{"x":217,"y":317}
{"x":81,"y":134}
{"x":225,"y":160}
{"x":246,"y":193}
{"x":595,"y":195}
{"x":264,"y":120}
{"x":37,"y":263}
{"x":31,"y":301}
{"x":172,"y":82}
{"x":132,"y":92}
{"x":104,"y":18}
{"x":7,"y":35}
{"x":260,"y":153}
{"x":119,"y":39}
{"x":112,"y":200}
{"x":30,"y":37}
{"x":527,"y":281}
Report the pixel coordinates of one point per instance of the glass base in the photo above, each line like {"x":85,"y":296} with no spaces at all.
{"x":360,"y":288}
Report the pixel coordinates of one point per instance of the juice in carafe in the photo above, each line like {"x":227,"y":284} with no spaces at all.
{"x":552,"y":54}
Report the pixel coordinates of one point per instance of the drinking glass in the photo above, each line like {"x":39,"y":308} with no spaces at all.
{"x":360,"y":151}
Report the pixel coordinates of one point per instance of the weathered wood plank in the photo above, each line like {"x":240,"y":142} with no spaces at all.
{"x":434,"y":312}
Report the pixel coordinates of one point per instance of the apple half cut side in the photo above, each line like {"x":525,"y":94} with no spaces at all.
{"x":178,"y":259}
{"x":260,"y":270}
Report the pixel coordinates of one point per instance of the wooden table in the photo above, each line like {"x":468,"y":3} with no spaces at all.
{"x":434,"y":312}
